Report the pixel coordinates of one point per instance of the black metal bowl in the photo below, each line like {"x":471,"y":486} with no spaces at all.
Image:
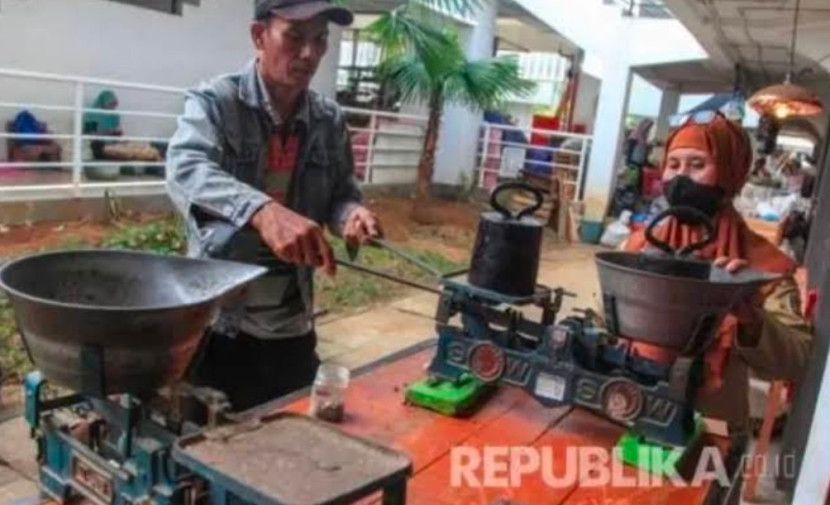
{"x":104,"y":322}
{"x":669,"y":301}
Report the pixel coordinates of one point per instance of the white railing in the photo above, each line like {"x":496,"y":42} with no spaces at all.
{"x":537,"y":66}
{"x":508,"y":152}
{"x":386,"y":146}
{"x":73,"y":173}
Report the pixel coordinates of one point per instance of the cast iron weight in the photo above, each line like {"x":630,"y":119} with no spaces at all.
{"x":508,"y":245}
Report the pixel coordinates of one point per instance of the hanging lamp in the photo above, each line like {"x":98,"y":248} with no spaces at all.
{"x":787,"y":99}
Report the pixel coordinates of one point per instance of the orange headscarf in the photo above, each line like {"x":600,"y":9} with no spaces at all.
{"x":728,"y":146}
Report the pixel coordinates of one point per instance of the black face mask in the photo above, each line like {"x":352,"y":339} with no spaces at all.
{"x":682,"y":191}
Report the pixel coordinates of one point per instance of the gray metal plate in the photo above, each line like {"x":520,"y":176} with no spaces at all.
{"x":292,"y":459}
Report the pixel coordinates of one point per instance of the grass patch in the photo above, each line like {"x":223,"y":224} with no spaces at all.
{"x":350,"y":289}
{"x":165,"y":236}
{"x":14,"y":362}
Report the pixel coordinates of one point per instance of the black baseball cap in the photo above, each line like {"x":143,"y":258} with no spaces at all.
{"x":302,"y":10}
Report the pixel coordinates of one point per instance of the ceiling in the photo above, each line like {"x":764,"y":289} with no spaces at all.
{"x":519,"y":30}
{"x":516,"y":29}
{"x":693,"y":77}
{"x":756,"y":35}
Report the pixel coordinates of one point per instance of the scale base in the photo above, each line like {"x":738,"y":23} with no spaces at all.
{"x":633,"y":450}
{"x":451,"y":398}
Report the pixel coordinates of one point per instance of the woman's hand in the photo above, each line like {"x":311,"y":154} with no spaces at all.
{"x":731,"y":265}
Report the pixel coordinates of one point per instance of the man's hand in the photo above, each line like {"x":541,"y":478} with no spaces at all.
{"x":293,"y":238}
{"x":361,"y":225}
{"x":748,"y":311}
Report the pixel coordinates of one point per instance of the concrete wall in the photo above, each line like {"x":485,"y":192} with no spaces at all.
{"x":110,"y":40}
{"x":460,"y":132}
{"x":656,"y":41}
{"x":592,"y":25}
{"x":117,"y":41}
{"x":586,"y":101}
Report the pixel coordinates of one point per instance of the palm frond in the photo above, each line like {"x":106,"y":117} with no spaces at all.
{"x":403,"y":32}
{"x":485,"y":84}
{"x":410,"y":76}
{"x":400,"y":31}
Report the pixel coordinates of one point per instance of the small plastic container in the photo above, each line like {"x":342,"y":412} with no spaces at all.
{"x":328,"y":394}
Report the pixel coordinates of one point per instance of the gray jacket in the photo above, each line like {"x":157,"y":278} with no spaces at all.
{"x":216,"y":164}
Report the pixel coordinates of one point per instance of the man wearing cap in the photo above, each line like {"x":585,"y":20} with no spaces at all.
{"x":258,"y":165}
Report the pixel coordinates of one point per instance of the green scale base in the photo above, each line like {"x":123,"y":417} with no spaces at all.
{"x":635,"y":451}
{"x":447,"y":397}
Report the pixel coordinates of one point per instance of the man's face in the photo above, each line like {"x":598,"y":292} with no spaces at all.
{"x":290,"y":51}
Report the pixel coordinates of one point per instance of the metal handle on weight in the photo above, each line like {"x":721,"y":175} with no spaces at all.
{"x":687,"y":215}
{"x":521,"y":186}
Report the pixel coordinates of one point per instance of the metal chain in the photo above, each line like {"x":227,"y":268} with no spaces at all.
{"x":795,"y":37}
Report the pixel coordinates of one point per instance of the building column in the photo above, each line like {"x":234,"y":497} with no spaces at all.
{"x":458,"y":141}
{"x":609,"y":127}
{"x":325,"y":80}
{"x":586,"y":100}
{"x":669,"y":102}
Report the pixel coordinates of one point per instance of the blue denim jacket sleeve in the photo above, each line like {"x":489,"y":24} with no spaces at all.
{"x":195,"y":176}
{"x":347,"y":195}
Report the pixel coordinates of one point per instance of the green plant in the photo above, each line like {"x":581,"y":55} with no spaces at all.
{"x":163,"y":237}
{"x":422,"y":56}
{"x":14,"y":362}
{"x":351,"y":289}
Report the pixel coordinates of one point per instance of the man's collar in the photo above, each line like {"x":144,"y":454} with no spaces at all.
{"x":265,"y":100}
{"x":249,"y":87}
{"x":254,"y":93}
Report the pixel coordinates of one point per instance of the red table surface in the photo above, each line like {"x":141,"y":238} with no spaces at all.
{"x":376,"y":410}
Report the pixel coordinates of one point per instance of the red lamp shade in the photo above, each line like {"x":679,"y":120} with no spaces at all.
{"x":785,"y":100}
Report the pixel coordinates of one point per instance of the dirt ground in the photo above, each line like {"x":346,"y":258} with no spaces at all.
{"x":444,"y":227}
{"x":54,"y":235}
{"x":19,"y":239}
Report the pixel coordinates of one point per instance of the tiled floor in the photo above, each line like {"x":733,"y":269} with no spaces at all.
{"x":54,"y":176}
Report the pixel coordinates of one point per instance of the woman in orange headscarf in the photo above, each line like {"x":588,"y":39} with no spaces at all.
{"x":706,"y":164}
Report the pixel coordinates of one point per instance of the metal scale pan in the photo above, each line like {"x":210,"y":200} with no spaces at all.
{"x":104,"y":322}
{"x":667,"y":299}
